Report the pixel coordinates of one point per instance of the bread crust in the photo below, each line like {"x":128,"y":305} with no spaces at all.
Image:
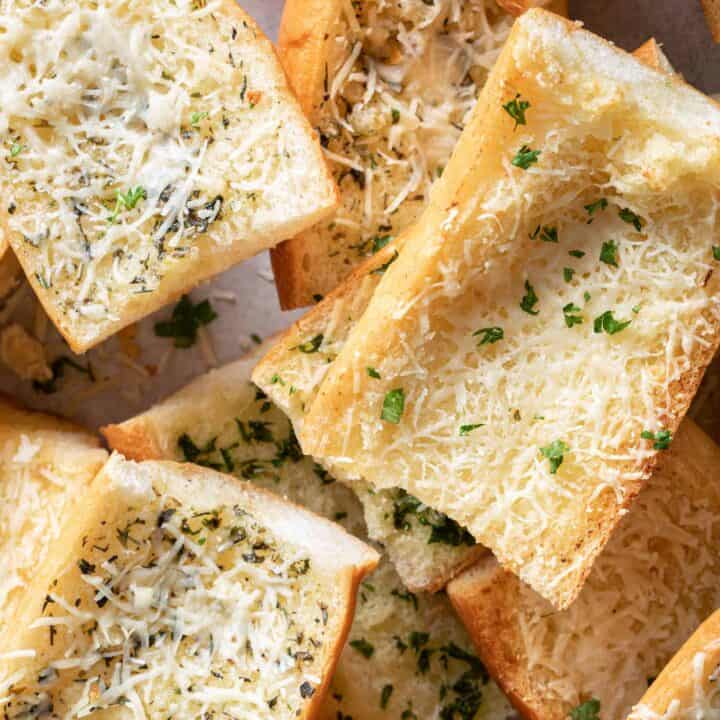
{"x":711,"y":8}
{"x":677,"y":680}
{"x":210,"y":263}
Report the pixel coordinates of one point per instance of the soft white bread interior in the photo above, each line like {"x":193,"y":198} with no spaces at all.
{"x":180,"y":591}
{"x":46,"y":466}
{"x":388,"y":87}
{"x":426,"y":548}
{"x":407,"y":652}
{"x":654,"y":582}
{"x":687,"y":688}
{"x":150,"y":146}
{"x":547,"y":321}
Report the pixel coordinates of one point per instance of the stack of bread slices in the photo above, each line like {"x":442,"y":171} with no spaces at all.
{"x":467,"y":482}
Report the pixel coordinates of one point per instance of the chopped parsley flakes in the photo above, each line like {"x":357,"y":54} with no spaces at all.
{"x":608,"y":253}
{"x":127,"y":200}
{"x":568,"y":274}
{"x":516,"y":108}
{"x":529,"y":300}
{"x":589,"y":710}
{"x":372,"y":372}
{"x":185,"y":322}
{"x":607,"y":323}
{"x":489,"y":335}
{"x":555,"y":453}
{"x":467,"y":429}
{"x":628,"y":216}
{"x":15,"y":149}
{"x":596,"y":206}
{"x":311,"y":346}
{"x":525,"y":157}
{"x":572,"y":316}
{"x":197,"y":117}
{"x":576,"y":253}
{"x":363,"y":647}
{"x":393,"y":406}
{"x":661,"y":439}
{"x":716,"y":252}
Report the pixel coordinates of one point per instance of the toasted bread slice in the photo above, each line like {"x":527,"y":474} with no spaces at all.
{"x":551,"y":294}
{"x":388,"y":88}
{"x":651,"y":586}
{"x":712,"y":15}
{"x":155,"y":145}
{"x":46,"y":466}
{"x":425,"y":554}
{"x":181,"y":591}
{"x":687,"y":688}
{"x":292,"y":371}
{"x":378,"y":675}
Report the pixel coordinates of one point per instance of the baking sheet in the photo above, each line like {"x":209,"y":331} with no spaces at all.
{"x":130,"y":374}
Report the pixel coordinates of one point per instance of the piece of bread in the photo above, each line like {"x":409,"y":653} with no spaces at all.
{"x":388,"y":88}
{"x":156,"y":145}
{"x":655,"y":581}
{"x":290,"y":376}
{"x":485,"y":319}
{"x":387,"y":618}
{"x":712,"y":15}
{"x":180,"y":591}
{"x":46,"y":466}
{"x":687,"y":688}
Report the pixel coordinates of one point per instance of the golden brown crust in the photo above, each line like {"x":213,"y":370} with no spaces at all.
{"x":677,"y":680}
{"x":518,"y":7}
{"x":134,"y":440}
{"x":485,"y":598}
{"x":711,"y":8}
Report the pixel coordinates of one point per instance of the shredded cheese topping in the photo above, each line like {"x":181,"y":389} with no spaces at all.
{"x":175,"y":612}
{"x":137,"y":140}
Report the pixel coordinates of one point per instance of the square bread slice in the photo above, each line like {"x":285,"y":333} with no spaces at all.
{"x":183,"y":592}
{"x":147,"y":147}
{"x":655,"y":581}
{"x":388,"y":87}
{"x":293,"y":369}
{"x":388,"y":667}
{"x":549,"y":318}
{"x":46,"y":466}
{"x":687,"y":688}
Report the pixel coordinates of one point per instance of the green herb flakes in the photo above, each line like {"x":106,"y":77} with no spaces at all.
{"x":197,"y":117}
{"x":589,"y":710}
{"x":568,"y":274}
{"x":490,"y":335}
{"x":525,"y":157}
{"x":628,"y":216}
{"x":516,"y":108}
{"x":467,"y":429}
{"x":607,"y":323}
{"x":608,"y":253}
{"x":311,"y":346}
{"x":185,"y":322}
{"x":571,"y":315}
{"x":372,"y":372}
{"x":393,"y":406}
{"x":363,"y":647}
{"x":661,"y":439}
{"x":529,"y":300}
{"x":555,"y":453}
{"x":385,"y":694}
